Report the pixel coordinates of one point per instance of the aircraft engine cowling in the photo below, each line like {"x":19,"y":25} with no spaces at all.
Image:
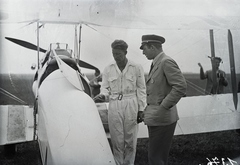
{"x":70,"y":130}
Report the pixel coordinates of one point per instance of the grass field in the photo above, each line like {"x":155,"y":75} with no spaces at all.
{"x":186,"y":150}
{"x":195,"y":149}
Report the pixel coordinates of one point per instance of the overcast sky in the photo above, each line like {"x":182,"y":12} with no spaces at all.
{"x":184,"y":24}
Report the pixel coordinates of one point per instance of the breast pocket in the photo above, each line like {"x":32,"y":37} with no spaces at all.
{"x":130,"y":82}
{"x":113,"y":83}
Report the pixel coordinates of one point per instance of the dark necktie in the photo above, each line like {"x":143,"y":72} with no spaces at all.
{"x":151,"y":68}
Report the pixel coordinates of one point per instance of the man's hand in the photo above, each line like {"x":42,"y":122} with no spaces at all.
{"x":99,"y":98}
{"x":221,"y":75}
{"x":140,"y":117}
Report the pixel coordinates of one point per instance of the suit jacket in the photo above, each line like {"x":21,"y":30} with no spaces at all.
{"x":165,"y":87}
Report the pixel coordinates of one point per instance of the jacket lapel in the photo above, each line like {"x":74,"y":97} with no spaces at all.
{"x":155,"y":67}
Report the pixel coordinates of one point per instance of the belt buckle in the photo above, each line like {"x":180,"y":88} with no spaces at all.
{"x":120,"y":97}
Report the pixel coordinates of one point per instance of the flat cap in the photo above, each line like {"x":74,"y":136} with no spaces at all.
{"x":119,"y":44}
{"x":218,"y":58}
{"x":152,"y":38}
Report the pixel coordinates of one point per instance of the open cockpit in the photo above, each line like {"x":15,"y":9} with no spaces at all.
{"x":49,"y":63}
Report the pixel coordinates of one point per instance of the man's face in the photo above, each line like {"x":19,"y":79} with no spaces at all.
{"x":217,"y":63}
{"x":148,"y":52}
{"x":119,"y":55}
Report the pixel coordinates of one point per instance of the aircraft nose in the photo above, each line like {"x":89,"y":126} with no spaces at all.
{"x":70,"y":129}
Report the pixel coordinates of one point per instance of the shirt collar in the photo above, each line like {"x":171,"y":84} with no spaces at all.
{"x":156,"y":58}
{"x":128,"y":63}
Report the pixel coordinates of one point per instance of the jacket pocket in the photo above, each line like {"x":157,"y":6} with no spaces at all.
{"x":155,"y":115}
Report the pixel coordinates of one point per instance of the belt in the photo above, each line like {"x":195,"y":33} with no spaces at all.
{"x":119,"y":96}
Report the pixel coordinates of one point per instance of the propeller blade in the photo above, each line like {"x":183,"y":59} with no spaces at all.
{"x":25,"y":44}
{"x":34,"y":47}
{"x":87,"y":65}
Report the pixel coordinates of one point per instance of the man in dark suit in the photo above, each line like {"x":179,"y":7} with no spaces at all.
{"x":165,"y":87}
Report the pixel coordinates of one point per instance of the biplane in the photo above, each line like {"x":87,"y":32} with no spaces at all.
{"x":52,"y":103}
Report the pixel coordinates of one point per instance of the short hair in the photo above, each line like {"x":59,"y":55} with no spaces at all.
{"x":119,"y":44}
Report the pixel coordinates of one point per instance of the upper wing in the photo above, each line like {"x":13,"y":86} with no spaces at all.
{"x":152,"y":14}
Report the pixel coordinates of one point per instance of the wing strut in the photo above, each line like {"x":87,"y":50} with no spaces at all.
{"x":38,"y":48}
{"x":79,"y":41}
{"x":214,"y":75}
{"x":232,"y":69}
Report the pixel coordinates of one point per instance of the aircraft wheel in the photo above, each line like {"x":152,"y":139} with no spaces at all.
{"x":10,"y":150}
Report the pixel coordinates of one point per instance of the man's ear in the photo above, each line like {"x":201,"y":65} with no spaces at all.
{"x":152,"y":47}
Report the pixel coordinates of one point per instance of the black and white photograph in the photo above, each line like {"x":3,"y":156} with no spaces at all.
{"x":119,"y":82}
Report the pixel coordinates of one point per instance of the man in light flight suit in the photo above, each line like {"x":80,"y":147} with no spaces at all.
{"x":124,"y":83}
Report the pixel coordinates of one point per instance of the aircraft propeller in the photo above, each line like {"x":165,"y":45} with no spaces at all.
{"x":25,"y":44}
{"x":34,"y":47}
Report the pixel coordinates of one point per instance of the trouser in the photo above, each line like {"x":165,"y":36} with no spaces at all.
{"x":122,"y":119}
{"x":160,"y":140}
